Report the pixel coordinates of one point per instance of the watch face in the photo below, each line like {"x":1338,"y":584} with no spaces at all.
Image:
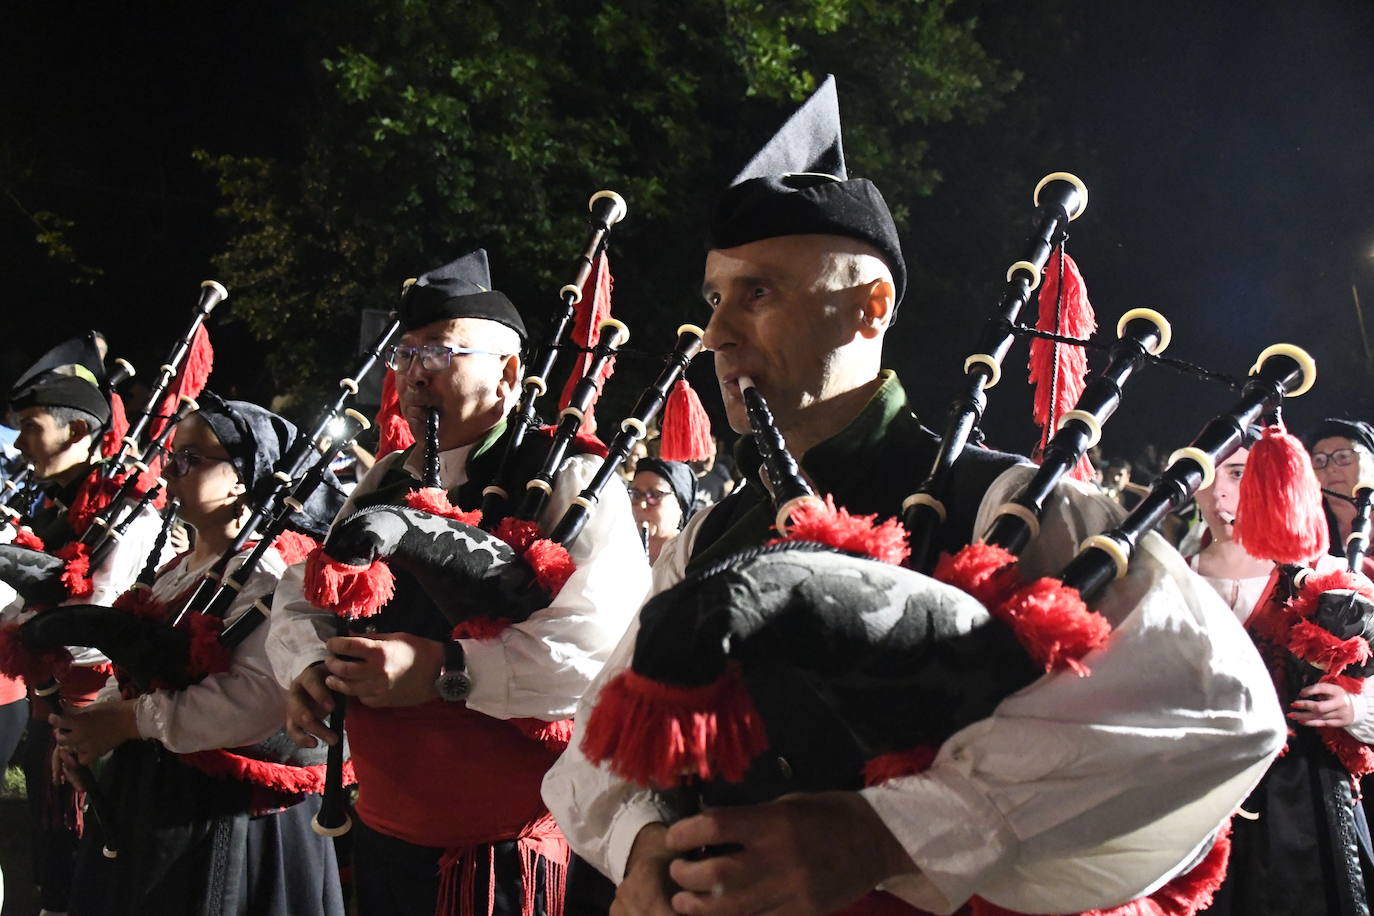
{"x":454,"y":685}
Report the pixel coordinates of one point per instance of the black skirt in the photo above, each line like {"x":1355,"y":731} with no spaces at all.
{"x":188,"y":844}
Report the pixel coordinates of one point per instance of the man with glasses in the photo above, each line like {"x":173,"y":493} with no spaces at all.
{"x":448,"y":790}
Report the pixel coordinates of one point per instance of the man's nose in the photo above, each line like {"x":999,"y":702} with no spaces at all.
{"x":720,"y":330}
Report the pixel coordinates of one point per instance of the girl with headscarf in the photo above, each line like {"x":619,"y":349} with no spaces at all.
{"x":662,"y":497}
{"x":211,"y":814}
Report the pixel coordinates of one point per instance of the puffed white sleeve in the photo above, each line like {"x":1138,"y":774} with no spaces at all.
{"x":1086,"y":792}
{"x":541,"y":667}
{"x":229,"y":709}
{"x":599,"y":813}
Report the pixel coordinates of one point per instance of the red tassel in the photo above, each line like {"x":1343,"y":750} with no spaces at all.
{"x":593,"y":308}
{"x":1053,"y":625}
{"x":1057,"y":370}
{"x":24,"y":537}
{"x":685,"y":429}
{"x":884,"y":767}
{"x":118,"y":428}
{"x":653,"y":734}
{"x":436,"y":502}
{"x":279,"y":777}
{"x":984,"y":571}
{"x":394,"y":432}
{"x":77,"y":574}
{"x":208,"y":654}
{"x":92,"y":497}
{"x":835,"y":527}
{"x":292,"y":546}
{"x":1279,"y":515}
{"x":349,"y":591}
{"x":481,"y":628}
{"x":555,"y":736}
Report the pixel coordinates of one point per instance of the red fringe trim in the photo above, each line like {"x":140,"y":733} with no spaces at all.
{"x":899,"y":763}
{"x":652,"y":733}
{"x":16,"y":661}
{"x":1053,"y":625}
{"x":480,"y":628}
{"x":862,"y":534}
{"x":140,"y":603}
{"x":984,"y":571}
{"x":555,"y":736}
{"x":195,"y":371}
{"x":23,"y":537}
{"x":552,"y":564}
{"x":208,"y":654}
{"x":1182,"y":895}
{"x":279,"y":777}
{"x":1357,"y":758}
{"x":292,"y":546}
{"x":1076,"y":319}
{"x":349,"y":591}
{"x":435,"y":501}
{"x":77,"y":575}
{"x":518,"y":534}
{"x":1320,"y":648}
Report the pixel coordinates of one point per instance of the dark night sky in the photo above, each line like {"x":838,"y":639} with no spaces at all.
{"x":1231,"y":180}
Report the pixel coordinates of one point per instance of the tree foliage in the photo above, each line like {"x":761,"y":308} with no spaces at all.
{"x":441,"y":126}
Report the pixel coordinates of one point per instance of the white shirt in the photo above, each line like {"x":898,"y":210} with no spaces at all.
{"x":1076,"y":793}
{"x":231,"y":709}
{"x":537,"y":668}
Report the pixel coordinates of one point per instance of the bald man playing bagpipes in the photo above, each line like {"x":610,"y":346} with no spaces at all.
{"x":1037,"y":793}
{"x":456,"y":693}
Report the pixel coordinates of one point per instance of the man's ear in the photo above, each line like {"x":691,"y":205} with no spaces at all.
{"x":77,"y":430}
{"x":879,"y":300}
{"x":510,"y":375}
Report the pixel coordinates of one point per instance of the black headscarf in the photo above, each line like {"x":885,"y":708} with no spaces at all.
{"x":1337,"y":428}
{"x":680,"y":480}
{"x":256,"y":439}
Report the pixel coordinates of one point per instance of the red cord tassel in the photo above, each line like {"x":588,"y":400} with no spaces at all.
{"x":118,"y":429}
{"x":292,"y":546}
{"x":1057,"y":370}
{"x":1279,"y":515}
{"x":653,"y":734}
{"x":555,"y":736}
{"x":1053,"y":625}
{"x":593,"y":308}
{"x":685,"y":429}
{"x":985,"y":571}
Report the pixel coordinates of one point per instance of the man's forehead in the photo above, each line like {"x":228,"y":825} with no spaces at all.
{"x":450,"y":330}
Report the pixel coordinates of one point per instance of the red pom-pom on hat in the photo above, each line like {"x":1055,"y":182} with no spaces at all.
{"x":1279,"y":514}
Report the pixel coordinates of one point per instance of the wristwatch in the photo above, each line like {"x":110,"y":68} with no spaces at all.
{"x":454,"y":683}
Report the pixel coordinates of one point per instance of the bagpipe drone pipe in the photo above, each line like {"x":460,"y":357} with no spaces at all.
{"x":817,"y":662}
{"x":113,"y":496}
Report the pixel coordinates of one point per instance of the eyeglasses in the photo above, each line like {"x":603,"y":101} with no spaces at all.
{"x":433,"y":357}
{"x":180,"y":462}
{"x":649,"y":497}
{"x":1341,"y":457}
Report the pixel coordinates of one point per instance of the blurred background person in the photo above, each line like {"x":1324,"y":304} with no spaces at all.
{"x":662,"y":498}
{"x":1342,"y":455}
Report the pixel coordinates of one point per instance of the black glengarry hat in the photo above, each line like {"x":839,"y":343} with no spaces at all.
{"x":71,"y":374}
{"x":461,"y":289}
{"x":798,"y":185}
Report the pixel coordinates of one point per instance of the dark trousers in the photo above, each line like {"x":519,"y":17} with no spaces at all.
{"x":53,"y":819}
{"x":394,"y":878}
{"x":14,"y":718}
